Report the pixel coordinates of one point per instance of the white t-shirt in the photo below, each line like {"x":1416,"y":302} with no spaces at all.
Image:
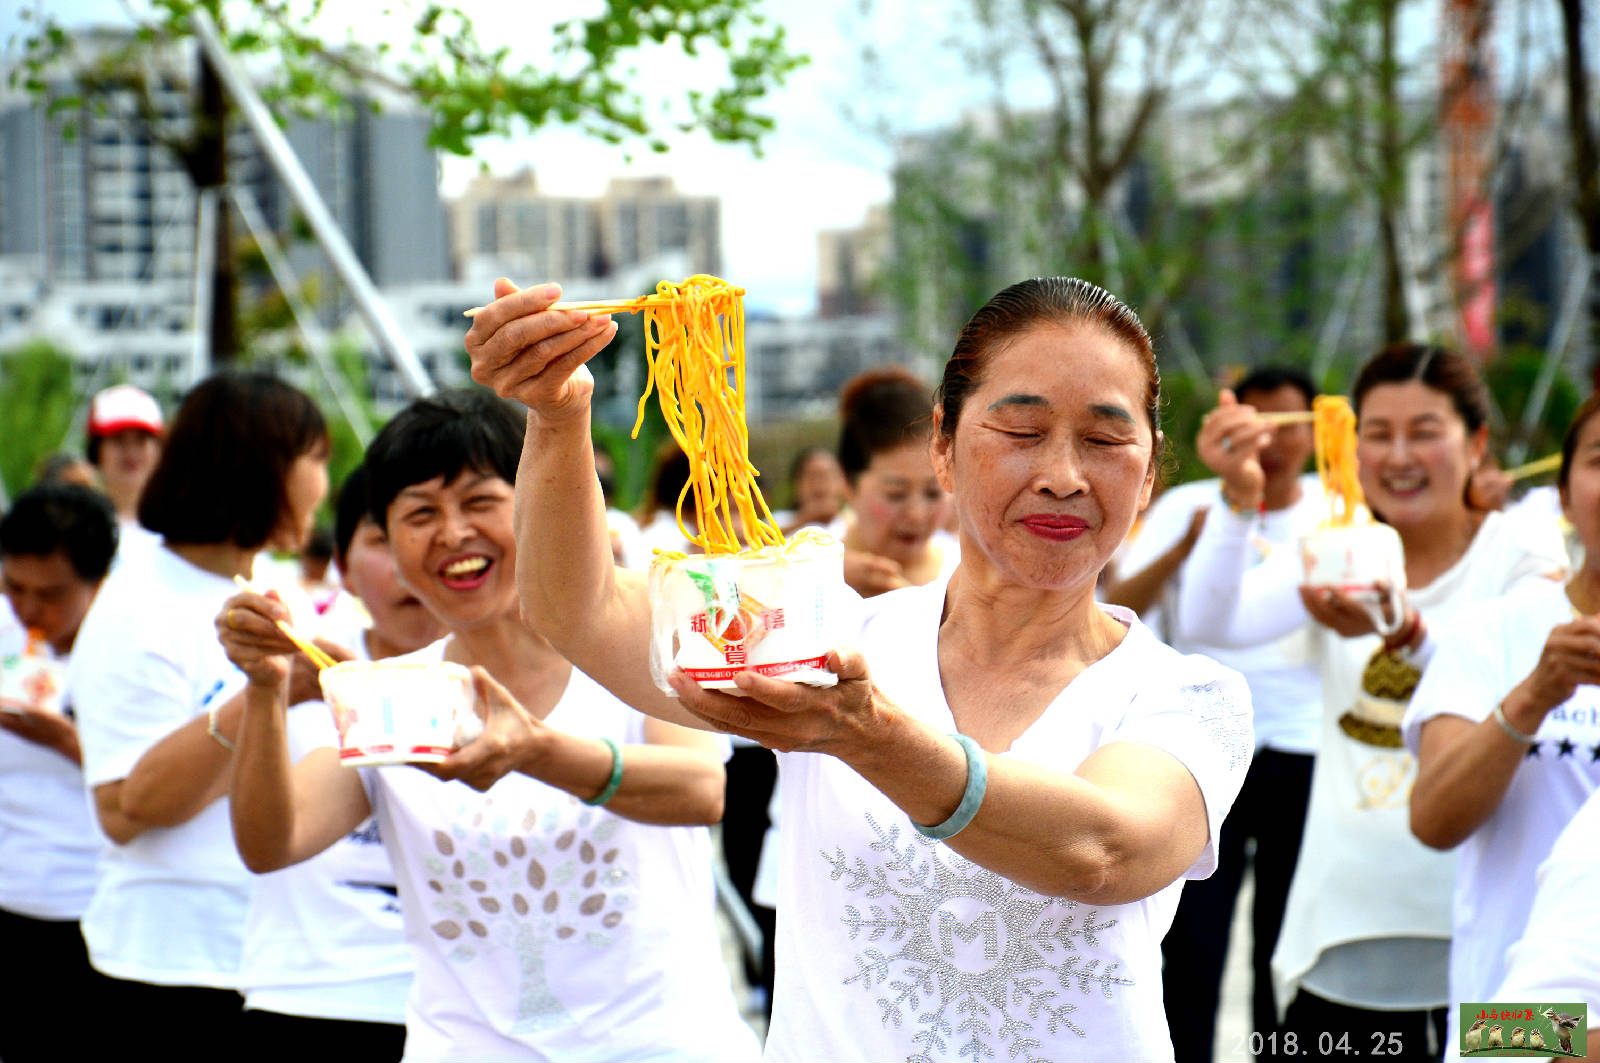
{"x":324,"y":938}
{"x":1367,"y":923}
{"x":629,"y":538}
{"x":1285,"y":682}
{"x":662,"y":533}
{"x":1477,"y":662}
{"x":168,"y":907}
{"x":545,"y":929}
{"x":135,"y":542}
{"x":891,"y":946}
{"x":48,"y":840}
{"x":1558,"y":955}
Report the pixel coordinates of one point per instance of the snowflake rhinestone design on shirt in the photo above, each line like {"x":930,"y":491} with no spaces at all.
{"x":968,"y":958}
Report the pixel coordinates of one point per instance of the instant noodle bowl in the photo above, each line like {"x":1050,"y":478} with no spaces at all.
{"x":768,"y":611}
{"x":1363,"y":561}
{"x":399,"y":712}
{"x":33,"y":680}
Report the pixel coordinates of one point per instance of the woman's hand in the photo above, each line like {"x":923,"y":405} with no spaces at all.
{"x":41,"y":727}
{"x":248,"y":630}
{"x":510,"y":740}
{"x":1489,"y":488}
{"x":1230,"y":442}
{"x":1349,"y":616}
{"x":528,"y":352}
{"x":1570,"y":658}
{"x":795,"y":717}
{"x":870,"y":574}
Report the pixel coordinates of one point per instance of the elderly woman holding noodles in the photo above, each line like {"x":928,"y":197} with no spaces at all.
{"x":994,"y":808}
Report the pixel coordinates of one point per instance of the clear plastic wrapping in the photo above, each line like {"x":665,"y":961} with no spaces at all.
{"x":774,"y":611}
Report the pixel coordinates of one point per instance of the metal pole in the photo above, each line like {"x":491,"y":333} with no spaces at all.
{"x":1344,"y":302}
{"x":205,"y":254}
{"x":287,"y":165}
{"x":1554,"y":355}
{"x":304,"y":318}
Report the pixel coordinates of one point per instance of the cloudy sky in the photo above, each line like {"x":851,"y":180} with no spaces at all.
{"x":821,"y":169}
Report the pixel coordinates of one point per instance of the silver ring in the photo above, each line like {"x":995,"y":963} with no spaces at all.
{"x":1227,"y":444}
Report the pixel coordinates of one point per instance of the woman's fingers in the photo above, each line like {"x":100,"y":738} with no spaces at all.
{"x":525,"y":350}
{"x":781,"y":714}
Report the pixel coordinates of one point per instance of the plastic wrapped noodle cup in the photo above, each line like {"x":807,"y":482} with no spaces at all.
{"x":33,"y":680}
{"x":401,"y":712}
{"x":1362,"y":561}
{"x":772,"y":611}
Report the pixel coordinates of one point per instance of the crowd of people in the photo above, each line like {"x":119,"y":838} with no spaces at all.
{"x":1068,"y":722}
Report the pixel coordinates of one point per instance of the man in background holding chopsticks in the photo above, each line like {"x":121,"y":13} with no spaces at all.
{"x":1286,"y":691}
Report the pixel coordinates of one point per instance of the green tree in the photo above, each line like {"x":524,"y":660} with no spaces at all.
{"x":472,"y":88}
{"x":1578,"y":49}
{"x":36,"y":407}
{"x":1103,"y":152}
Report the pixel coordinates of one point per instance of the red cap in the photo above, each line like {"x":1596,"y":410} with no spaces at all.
{"x":124,"y":406}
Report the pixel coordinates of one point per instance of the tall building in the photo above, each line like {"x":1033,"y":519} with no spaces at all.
{"x":380,"y":179}
{"x":89,"y":194}
{"x":850,"y":266}
{"x":102,"y":216}
{"x":508,"y":225}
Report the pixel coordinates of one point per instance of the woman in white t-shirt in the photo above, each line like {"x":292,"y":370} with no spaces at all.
{"x":243,"y":469}
{"x":817,"y":485}
{"x":1557,"y":956}
{"x":325,"y":959}
{"x":1090,"y":766}
{"x":1366,"y":930}
{"x":57,"y":542}
{"x":1505,"y":724}
{"x":891,"y":532}
{"x":554,"y":873}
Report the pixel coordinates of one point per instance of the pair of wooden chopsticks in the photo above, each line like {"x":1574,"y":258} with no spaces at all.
{"x":1287,"y":417}
{"x":317,"y":655}
{"x":600,"y":306}
{"x":1549,"y":463}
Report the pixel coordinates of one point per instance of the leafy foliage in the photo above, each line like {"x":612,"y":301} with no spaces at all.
{"x":36,"y":407}
{"x":472,"y":88}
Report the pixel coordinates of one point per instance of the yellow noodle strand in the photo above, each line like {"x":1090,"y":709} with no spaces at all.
{"x":694,"y":336}
{"x":1334,"y":430}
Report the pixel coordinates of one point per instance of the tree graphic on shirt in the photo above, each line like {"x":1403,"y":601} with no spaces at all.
{"x":510,"y":878}
{"x":977,"y":960}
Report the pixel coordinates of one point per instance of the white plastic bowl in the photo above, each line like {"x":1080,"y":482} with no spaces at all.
{"x":775,"y":612}
{"x":400,"y":712}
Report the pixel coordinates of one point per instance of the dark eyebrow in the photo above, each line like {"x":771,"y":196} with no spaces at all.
{"x":1020,"y":400}
{"x":1116,"y":413}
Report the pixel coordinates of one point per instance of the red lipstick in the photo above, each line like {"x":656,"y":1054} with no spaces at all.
{"x":1056,"y":528}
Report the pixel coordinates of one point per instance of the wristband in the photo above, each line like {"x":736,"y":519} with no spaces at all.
{"x":971,"y":797}
{"x":614,"y":783}
{"x":1511,"y":732}
{"x":211,"y":729}
{"x":1242,"y":511}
